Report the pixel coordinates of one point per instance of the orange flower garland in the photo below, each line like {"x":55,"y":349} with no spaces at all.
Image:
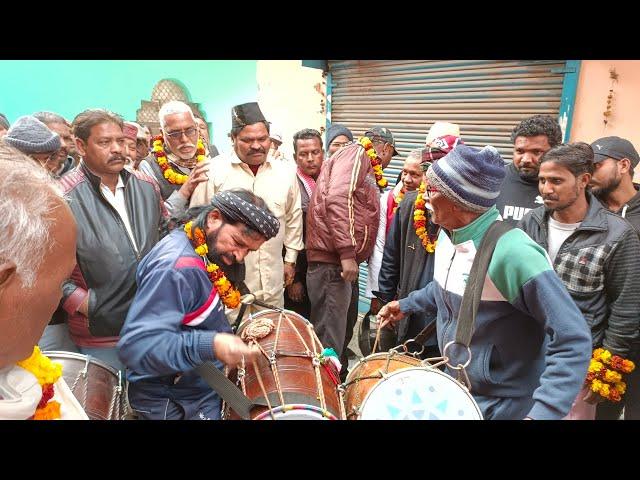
{"x":420,"y":221}
{"x":605,"y":374}
{"x":161,"y":157}
{"x":398,"y":198}
{"x":229,"y":295}
{"x":376,"y":164}
{"x":47,"y":373}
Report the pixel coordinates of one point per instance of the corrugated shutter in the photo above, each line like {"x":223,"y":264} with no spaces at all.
{"x":486,"y":98}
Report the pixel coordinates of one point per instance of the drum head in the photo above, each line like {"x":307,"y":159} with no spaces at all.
{"x":297,"y":412}
{"x":419,"y":394}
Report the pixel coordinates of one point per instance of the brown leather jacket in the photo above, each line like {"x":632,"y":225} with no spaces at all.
{"x":344,"y":211}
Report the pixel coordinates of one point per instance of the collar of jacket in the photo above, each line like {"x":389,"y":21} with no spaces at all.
{"x":476,"y":229}
{"x":595,"y":219}
{"x":95,"y":180}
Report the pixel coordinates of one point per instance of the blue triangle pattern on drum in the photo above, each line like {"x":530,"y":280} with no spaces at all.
{"x":418,"y":414}
{"x":416,"y":398}
{"x":433,"y":417}
{"x":393,"y":411}
{"x":442,"y":406}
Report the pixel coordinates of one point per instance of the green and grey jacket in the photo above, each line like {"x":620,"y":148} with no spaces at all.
{"x":598,"y":265}
{"x":531,"y":346}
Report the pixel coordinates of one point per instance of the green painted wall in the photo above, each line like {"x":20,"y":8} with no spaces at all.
{"x":69,"y":86}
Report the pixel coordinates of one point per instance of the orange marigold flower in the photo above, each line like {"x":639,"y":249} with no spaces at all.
{"x":50,"y":411}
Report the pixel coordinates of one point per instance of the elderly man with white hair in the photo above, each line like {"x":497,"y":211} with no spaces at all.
{"x":37,"y":254}
{"x":178,"y":160}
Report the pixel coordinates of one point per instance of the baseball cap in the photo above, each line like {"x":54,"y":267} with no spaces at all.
{"x":614,"y":147}
{"x":383,"y":133}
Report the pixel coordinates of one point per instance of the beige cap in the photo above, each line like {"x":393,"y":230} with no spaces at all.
{"x":440,"y":129}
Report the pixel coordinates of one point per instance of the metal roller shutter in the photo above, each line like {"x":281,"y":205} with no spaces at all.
{"x":486,"y":98}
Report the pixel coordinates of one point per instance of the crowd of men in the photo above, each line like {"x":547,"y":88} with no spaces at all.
{"x":155,"y":240}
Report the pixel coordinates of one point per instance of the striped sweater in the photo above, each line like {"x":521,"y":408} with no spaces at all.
{"x":531,"y":346}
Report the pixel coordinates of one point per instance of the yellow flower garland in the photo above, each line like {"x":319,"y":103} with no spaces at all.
{"x":169,"y":173}
{"x":229,"y":295}
{"x":376,"y":164}
{"x":420,"y":222}
{"x":604,"y":375}
{"x":47,"y":373}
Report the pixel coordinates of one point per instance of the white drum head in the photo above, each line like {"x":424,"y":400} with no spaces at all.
{"x":419,"y":394}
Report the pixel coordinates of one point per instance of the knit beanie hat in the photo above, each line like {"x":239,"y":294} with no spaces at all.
{"x":336,"y":130}
{"x":469,"y":176}
{"x":30,"y":135}
{"x":4,"y":122}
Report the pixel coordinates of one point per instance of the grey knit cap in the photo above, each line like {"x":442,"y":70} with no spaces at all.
{"x":336,"y":130}
{"x":30,"y":135}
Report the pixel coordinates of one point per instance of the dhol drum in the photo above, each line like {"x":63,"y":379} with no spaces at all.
{"x":367,"y":373}
{"x":96,"y":385}
{"x":290,"y":380}
{"x":419,"y":393}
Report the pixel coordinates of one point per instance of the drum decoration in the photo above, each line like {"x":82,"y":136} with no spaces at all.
{"x":294,"y":377}
{"x":98,"y":387}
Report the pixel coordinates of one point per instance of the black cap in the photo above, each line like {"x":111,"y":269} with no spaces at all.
{"x":384,"y":133}
{"x":246,"y":114}
{"x":614,"y":147}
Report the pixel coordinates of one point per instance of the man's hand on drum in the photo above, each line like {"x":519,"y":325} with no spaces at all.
{"x":390,"y":314}
{"x":230,"y":349}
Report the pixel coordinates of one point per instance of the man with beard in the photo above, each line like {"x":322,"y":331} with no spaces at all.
{"x":531,"y":138}
{"x":119,"y":214}
{"x":612,"y":183}
{"x":178,"y":160}
{"x":250,"y":167}
{"x":529,"y":351}
{"x":177,"y":321}
{"x":593,"y":251}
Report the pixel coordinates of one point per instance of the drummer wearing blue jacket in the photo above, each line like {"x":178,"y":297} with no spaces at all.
{"x":531,"y":346}
{"x":176,"y":321}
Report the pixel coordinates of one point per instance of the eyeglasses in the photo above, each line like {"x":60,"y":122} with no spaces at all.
{"x":339,"y":144}
{"x":191,"y":132}
{"x":44,"y":158}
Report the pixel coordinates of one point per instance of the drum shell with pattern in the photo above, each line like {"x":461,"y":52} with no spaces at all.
{"x":367,"y":373}
{"x":101,"y":384}
{"x":296,"y":373}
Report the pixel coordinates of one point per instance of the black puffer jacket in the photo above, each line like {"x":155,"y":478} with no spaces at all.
{"x":598,"y":265}
{"x":107,"y":259}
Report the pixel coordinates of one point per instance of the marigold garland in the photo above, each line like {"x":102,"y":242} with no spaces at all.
{"x":229,"y":295}
{"x":161,"y":157}
{"x":398,"y":198}
{"x":604,"y":375}
{"x":376,"y":164}
{"x":420,"y":221}
{"x":47,"y":373}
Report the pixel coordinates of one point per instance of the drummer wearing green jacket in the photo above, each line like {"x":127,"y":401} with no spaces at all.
{"x":531,"y":345}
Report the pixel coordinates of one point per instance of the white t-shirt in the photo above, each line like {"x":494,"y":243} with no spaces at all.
{"x":558,"y":233}
{"x":117,"y":201}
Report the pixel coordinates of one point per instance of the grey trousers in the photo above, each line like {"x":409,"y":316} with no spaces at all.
{"x":330,"y":297}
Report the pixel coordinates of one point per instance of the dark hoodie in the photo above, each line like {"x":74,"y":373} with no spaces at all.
{"x":631,"y":210}
{"x":517,"y":196}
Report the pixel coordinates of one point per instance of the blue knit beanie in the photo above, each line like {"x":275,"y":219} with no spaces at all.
{"x":30,"y":135}
{"x":336,"y":130}
{"x":469,"y":176}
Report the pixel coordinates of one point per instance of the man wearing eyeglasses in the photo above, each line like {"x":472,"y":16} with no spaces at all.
{"x":337,"y":137}
{"x":180,"y":135}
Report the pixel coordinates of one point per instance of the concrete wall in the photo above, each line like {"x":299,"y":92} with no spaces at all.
{"x":292,"y":97}
{"x":591,"y":101}
{"x":68,"y":87}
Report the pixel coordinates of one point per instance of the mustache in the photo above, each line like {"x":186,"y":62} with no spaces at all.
{"x":257,"y":150}
{"x":549,"y":197}
{"x":116,"y":158}
{"x":187,"y":145}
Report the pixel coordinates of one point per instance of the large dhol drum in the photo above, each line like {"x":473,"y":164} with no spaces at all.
{"x":367,"y":373}
{"x":422,"y":393}
{"x":394,"y":386}
{"x":96,"y":385}
{"x":299,"y":384}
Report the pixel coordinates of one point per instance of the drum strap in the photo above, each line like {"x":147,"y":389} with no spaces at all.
{"x":231,"y":394}
{"x":475,"y":283}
